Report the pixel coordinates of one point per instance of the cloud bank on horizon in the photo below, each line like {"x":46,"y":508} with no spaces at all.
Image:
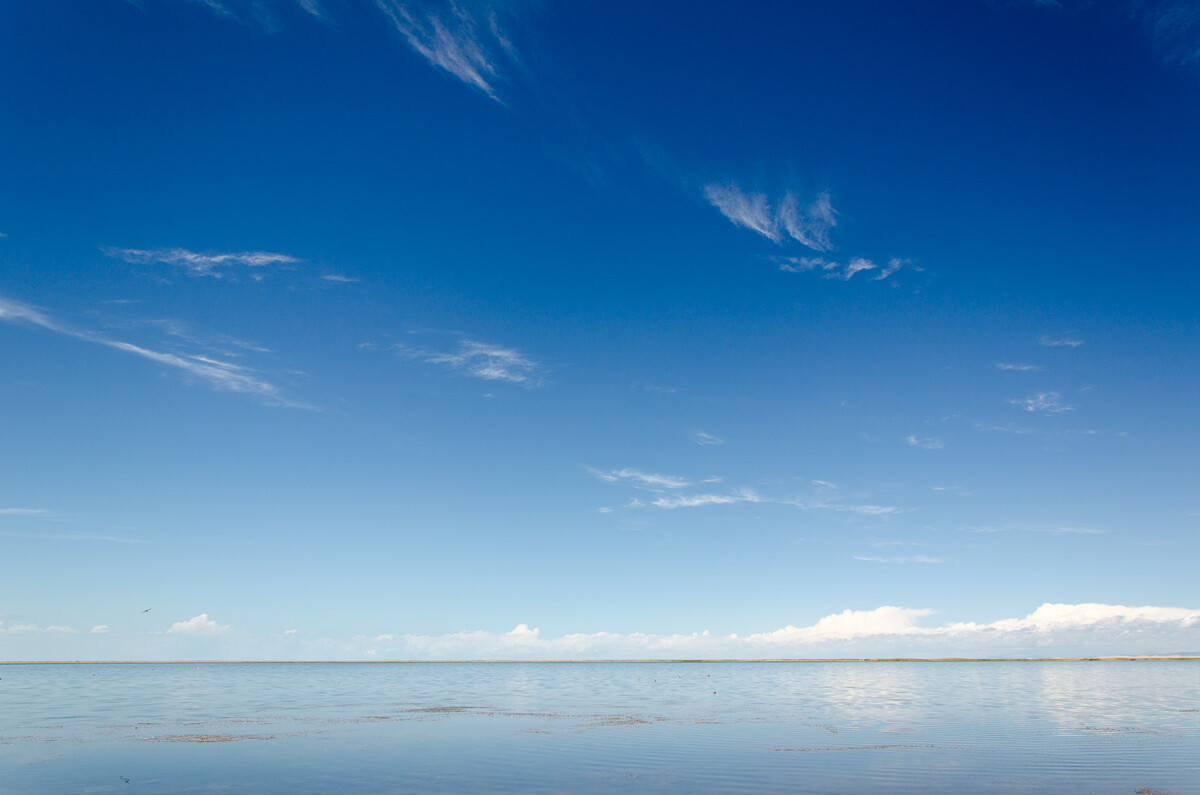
{"x":1052,"y":630}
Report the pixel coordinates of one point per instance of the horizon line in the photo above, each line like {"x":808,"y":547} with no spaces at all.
{"x":1193,"y":656}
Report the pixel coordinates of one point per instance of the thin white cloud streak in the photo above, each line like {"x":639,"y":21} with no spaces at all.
{"x":1044,"y":403}
{"x":453,"y":41}
{"x":894,"y":264}
{"x":339,"y":278}
{"x":200,"y":625}
{"x":826,"y":505}
{"x":836,"y":270}
{"x":750,"y":211}
{"x":16,"y":312}
{"x":1063,"y":629}
{"x":312,"y":7}
{"x":224,"y":376}
{"x":649,"y":479}
{"x":804,"y":264}
{"x":666,"y":488}
{"x":810,"y":225}
{"x":199,"y":264}
{"x":863,"y":510}
{"x":16,"y":629}
{"x":480,"y":360}
{"x":22,"y":511}
{"x":857,"y":265}
{"x":706,"y":439}
{"x":928,"y":443}
{"x":1060,"y":342}
{"x":696,"y":500}
{"x":1021,"y":368}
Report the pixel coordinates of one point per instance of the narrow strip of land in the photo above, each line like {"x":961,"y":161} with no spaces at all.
{"x":1117,"y":658}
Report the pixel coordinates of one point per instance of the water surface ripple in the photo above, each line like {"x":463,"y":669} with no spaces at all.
{"x":828,"y":727}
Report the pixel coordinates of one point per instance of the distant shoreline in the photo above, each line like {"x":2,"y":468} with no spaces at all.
{"x":1115,"y":658}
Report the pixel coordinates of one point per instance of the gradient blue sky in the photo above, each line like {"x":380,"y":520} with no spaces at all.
{"x":340,"y":328}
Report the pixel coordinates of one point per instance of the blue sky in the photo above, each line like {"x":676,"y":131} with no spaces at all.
{"x":345,"y":329}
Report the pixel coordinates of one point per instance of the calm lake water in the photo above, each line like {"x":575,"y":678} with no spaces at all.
{"x":1039,"y":727}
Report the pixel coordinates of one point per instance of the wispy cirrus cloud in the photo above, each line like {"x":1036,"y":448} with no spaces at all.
{"x":1060,"y":342}
{"x":453,"y":37}
{"x":809,"y":225}
{"x":650,"y":479}
{"x":860,"y":509}
{"x":925,"y":443}
{"x":706,"y":439}
{"x":312,"y":7}
{"x":197,"y":264}
{"x":748,"y":210}
{"x":480,"y":360}
{"x":463,"y":37}
{"x":1020,"y":368}
{"x":836,"y":270}
{"x":670,"y":502}
{"x":667,"y":490}
{"x":221,"y":375}
{"x":1044,"y":403}
{"x":22,"y":511}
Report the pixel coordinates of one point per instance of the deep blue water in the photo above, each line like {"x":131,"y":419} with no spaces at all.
{"x":1038,"y":727}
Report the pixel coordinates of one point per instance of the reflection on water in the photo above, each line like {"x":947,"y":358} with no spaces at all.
{"x":1114,"y":727}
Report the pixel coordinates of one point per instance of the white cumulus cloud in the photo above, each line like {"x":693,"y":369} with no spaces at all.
{"x":198,"y":625}
{"x":1050,"y":630}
